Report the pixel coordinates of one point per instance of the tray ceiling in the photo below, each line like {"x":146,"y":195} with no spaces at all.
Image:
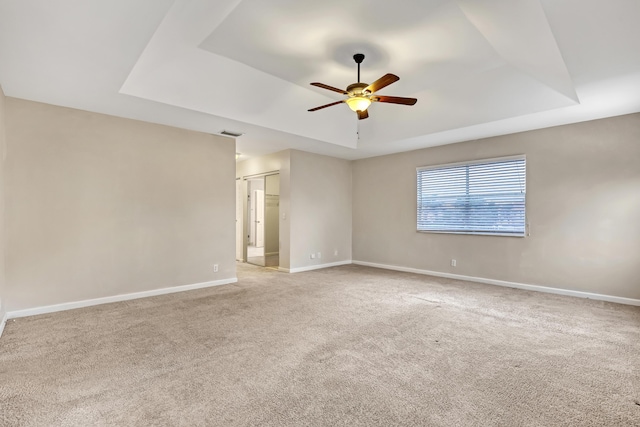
{"x":478,"y":67}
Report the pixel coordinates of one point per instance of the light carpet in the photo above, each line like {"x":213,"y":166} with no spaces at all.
{"x":344,"y":346}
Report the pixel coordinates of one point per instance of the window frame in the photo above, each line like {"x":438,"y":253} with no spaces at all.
{"x":525,"y":231}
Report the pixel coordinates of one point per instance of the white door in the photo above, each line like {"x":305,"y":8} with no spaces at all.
{"x":258,"y":198}
{"x":239,"y":219}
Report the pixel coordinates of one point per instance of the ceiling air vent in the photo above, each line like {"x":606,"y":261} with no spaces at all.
{"x":231,"y":134}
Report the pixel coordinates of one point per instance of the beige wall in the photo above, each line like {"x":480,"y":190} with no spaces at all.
{"x":320,"y":209}
{"x":583,"y":206}
{"x":3,"y":310}
{"x":99,"y":206}
{"x":276,"y":162}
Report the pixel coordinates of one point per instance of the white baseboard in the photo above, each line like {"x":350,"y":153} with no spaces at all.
{"x":559,"y":291}
{"x":116,"y":298}
{"x":314,"y":267}
{"x":2,"y":323}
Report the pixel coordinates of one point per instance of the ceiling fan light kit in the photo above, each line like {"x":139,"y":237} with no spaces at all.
{"x":360,"y":95}
{"x":358,"y":103}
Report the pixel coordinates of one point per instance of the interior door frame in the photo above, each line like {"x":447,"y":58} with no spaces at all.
{"x":239,"y":227}
{"x":245,"y":206}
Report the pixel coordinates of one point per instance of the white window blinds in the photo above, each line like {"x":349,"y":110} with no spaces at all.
{"x":483,"y":197}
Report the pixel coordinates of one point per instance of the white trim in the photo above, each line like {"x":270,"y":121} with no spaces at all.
{"x":260,"y":175}
{"x":474,"y":162}
{"x":116,"y":298}
{"x":314,"y":267}
{"x":3,"y":323}
{"x":537,"y":288}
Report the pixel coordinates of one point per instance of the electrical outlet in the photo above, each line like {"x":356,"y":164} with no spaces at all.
{"x":215,"y":268}
{"x":335,"y":253}
{"x":453,"y":263}
{"x":312,"y":256}
{"x":319,"y":255}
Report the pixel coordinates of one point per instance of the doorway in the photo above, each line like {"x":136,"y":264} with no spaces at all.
{"x":239,"y":231}
{"x":263,"y":220}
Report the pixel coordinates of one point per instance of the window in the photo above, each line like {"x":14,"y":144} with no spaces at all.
{"x":482,"y":197}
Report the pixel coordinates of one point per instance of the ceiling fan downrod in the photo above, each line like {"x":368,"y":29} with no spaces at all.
{"x":358,"y":57}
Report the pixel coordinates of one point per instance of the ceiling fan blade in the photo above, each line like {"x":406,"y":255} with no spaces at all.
{"x":383,"y":81}
{"x":326,"y":105}
{"x":395,"y":100}
{"x":362,"y":114}
{"x":335,"y":89}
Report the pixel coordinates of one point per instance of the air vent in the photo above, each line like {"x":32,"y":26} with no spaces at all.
{"x":231,"y":134}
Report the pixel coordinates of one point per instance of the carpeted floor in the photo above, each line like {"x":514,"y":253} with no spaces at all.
{"x":345,"y":346}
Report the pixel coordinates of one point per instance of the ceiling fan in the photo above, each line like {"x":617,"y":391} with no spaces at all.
{"x":361,"y":95}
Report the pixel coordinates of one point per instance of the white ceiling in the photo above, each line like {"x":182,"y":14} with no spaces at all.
{"x":478,"y":67}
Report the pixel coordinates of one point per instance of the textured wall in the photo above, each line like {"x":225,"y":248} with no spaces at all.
{"x":583,"y":206}
{"x":99,"y":205}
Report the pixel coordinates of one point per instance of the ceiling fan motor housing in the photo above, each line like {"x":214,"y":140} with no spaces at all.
{"x":357,"y":89}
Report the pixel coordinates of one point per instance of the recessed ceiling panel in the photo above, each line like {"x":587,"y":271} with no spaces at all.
{"x":492,"y":95}
{"x":599,"y":40}
{"x":520,"y":33}
{"x":460,"y":60}
{"x":424,"y":42}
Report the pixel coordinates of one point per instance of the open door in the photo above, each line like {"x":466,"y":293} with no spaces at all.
{"x":258,"y":199}
{"x":272,"y":221}
{"x":262,"y":220}
{"x":239,"y":241}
